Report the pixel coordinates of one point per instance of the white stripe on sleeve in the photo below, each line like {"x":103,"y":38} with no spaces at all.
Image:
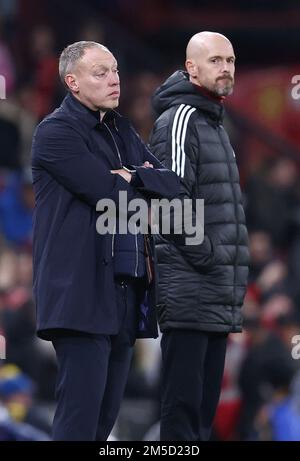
{"x":179,"y":129}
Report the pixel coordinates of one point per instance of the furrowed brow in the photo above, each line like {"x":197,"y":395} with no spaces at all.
{"x":99,"y":67}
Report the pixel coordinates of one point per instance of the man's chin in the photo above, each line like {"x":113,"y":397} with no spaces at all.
{"x":224,"y":91}
{"x":112,"y":105}
{"x":115,"y":103}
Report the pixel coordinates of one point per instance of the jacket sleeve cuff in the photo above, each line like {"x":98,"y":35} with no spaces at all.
{"x":136,"y":180}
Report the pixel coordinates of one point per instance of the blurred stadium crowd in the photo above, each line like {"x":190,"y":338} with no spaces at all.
{"x":260,"y":397}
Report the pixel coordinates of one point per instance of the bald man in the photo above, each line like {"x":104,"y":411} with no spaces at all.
{"x":202,"y":286}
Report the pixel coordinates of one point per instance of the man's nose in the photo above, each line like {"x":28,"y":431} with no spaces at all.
{"x":225,"y":67}
{"x":114,"y":78}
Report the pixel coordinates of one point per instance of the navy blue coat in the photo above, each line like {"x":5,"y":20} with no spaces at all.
{"x":73,"y":274}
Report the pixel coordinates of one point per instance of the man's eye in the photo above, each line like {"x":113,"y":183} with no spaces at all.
{"x":216,"y":60}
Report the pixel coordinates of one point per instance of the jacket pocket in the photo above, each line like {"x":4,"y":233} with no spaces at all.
{"x":211,"y":244}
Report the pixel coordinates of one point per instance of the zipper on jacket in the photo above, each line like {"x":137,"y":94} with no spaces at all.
{"x":219,"y":128}
{"x":120,"y":160}
{"x":116,"y":145}
{"x":136,"y":255}
{"x":113,"y":240}
{"x":115,"y":124}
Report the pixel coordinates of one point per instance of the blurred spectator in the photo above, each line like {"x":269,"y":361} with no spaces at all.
{"x":8,"y":270}
{"x":17,"y":319}
{"x":294,"y":270}
{"x":45,"y":71}
{"x":92,"y":30}
{"x":138,"y":99}
{"x":272,"y":201}
{"x":279,"y":420}
{"x":16,"y":393}
{"x":17,"y":116}
{"x":261,"y":253}
{"x":10,"y":143}
{"x":229,"y":408}
{"x":7,"y":67}
{"x":16,"y":207}
{"x":270,"y":293}
{"x":278,"y":305}
{"x":11,"y":431}
{"x":266,"y":355}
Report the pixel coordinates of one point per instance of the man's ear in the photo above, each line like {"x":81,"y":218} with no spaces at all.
{"x":71,"y":82}
{"x":191,"y":67}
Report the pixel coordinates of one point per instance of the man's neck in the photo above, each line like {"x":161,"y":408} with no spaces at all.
{"x":90,"y":106}
{"x":101,"y":115}
{"x":209,"y":94}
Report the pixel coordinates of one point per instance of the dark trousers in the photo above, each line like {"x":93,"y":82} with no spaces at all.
{"x":92,"y":373}
{"x":193,"y":365}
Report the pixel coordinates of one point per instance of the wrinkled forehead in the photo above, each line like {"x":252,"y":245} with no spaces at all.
{"x":96,"y":57}
{"x":218,"y":47}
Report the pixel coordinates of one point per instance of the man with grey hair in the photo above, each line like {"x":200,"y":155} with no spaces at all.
{"x":94,"y":292}
{"x":201,"y":287}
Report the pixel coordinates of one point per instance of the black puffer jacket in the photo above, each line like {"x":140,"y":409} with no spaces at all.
{"x":200,"y":286}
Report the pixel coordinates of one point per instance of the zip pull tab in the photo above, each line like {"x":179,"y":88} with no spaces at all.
{"x":136,"y":253}
{"x":116,"y":145}
{"x":116,"y":128}
{"x":113,"y":240}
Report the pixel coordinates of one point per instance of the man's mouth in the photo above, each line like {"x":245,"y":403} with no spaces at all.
{"x":227,"y":77}
{"x":115,"y":94}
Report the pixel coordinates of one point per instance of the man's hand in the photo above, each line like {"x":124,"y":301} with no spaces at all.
{"x":147,"y":165}
{"x":125,"y":174}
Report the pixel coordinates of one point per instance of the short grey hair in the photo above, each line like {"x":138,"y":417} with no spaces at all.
{"x":73,"y":53}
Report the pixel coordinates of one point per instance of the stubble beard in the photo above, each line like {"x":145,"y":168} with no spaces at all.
{"x":226,"y":90}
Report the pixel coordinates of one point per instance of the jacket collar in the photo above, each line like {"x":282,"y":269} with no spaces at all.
{"x":91,"y":118}
{"x":178,"y":89}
